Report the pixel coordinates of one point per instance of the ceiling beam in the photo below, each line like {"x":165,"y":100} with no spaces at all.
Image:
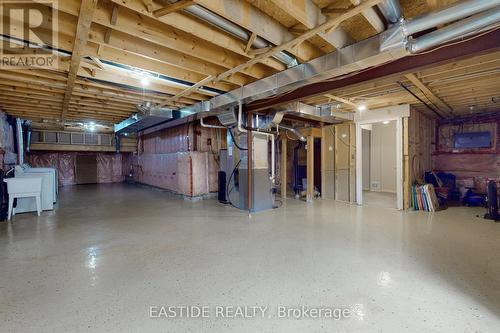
{"x":176,"y":6}
{"x":371,"y":16}
{"x":251,"y":18}
{"x":307,"y":13}
{"x":250,"y":42}
{"x":483,"y":43}
{"x":197,"y":28}
{"x":429,"y":94}
{"x":149,"y":5}
{"x":328,"y":25}
{"x":82,"y":33}
{"x":342,"y":100}
{"x":151,"y":31}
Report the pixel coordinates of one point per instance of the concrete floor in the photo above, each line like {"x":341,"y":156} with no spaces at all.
{"x":379,"y":199}
{"x":110,"y":252}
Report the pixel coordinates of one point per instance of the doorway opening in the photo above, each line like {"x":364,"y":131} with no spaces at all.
{"x":379,"y":164}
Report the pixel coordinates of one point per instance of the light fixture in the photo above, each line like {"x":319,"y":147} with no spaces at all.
{"x":385,"y":122}
{"x":90,"y":126}
{"x":361,"y":107}
{"x":145,"y":81}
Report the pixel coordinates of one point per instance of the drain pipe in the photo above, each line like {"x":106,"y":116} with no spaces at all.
{"x":391,"y":11}
{"x":459,"y":29}
{"x":237,"y":31}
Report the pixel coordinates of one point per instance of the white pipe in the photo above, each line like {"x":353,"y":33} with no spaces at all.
{"x":210,"y":126}
{"x":20,"y":141}
{"x":240,"y":117}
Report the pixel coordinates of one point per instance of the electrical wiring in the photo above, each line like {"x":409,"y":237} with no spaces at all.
{"x":234,"y":141}
{"x":228,"y":191}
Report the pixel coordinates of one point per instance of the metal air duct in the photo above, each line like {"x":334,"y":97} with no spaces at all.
{"x":452,"y":13}
{"x":237,"y":31}
{"x":397,"y":35}
{"x":146,"y":118}
{"x":459,"y":29}
{"x":391,"y":11}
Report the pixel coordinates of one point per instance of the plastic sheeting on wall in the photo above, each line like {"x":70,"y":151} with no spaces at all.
{"x":66,"y":168}
{"x":7,"y":140}
{"x":111,"y":167}
{"x":182,"y":159}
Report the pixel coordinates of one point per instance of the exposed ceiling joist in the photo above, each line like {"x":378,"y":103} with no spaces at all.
{"x":250,"y":42}
{"x":149,"y":5}
{"x":371,"y":16}
{"x":251,"y":18}
{"x":429,"y":94}
{"x":307,"y":13}
{"x":199,"y":29}
{"x":176,"y":6}
{"x":342,"y":100}
{"x":82,"y":32}
{"x":328,"y":25}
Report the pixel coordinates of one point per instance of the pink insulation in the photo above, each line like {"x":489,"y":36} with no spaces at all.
{"x":158,"y":170}
{"x":66,"y":168}
{"x":109,"y":168}
{"x":109,"y":165}
{"x":181,"y":159}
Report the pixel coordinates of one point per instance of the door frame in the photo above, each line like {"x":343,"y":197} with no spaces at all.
{"x":392,"y":113}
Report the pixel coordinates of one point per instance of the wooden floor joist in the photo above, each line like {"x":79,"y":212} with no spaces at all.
{"x":189,"y":53}
{"x":176,"y":6}
{"x":328,"y":25}
{"x":82,"y":32}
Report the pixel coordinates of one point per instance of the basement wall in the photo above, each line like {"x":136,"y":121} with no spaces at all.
{"x":7,"y":145}
{"x":418,"y":146}
{"x":421,"y":142}
{"x":111,"y":167}
{"x":182,"y":159}
{"x":383,"y":157}
{"x":473,"y":167}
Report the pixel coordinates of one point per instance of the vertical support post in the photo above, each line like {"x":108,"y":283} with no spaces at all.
{"x":283,"y":166}
{"x":406,"y":164}
{"x":399,"y":161}
{"x":249,"y":160}
{"x":310,"y":168}
{"x":352,"y":163}
{"x":359,"y":165}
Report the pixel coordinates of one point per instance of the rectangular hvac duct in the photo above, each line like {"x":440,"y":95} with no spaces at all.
{"x":143,"y":120}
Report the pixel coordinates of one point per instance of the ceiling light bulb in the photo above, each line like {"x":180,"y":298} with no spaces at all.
{"x":361,"y":107}
{"x":385,"y":122}
{"x":145,"y":81}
